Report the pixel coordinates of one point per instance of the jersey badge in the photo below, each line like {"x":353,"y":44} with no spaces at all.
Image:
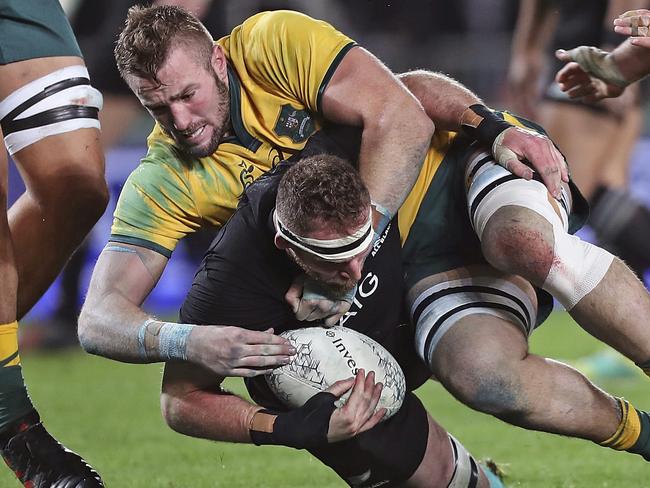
{"x":246,"y":176}
{"x":294,"y":123}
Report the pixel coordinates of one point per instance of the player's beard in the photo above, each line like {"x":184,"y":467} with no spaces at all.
{"x":338,"y":288}
{"x":218,"y":128}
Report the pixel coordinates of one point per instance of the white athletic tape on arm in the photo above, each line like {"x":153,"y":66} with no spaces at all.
{"x":386,"y":217}
{"x":171,"y":340}
{"x":597,"y":62}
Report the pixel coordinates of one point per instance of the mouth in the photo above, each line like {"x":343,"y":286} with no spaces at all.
{"x":193,"y":135}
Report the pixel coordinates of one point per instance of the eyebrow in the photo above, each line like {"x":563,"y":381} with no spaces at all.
{"x":173,"y":98}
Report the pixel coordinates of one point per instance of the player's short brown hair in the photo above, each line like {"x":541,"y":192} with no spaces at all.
{"x":149,"y":34}
{"x":322,"y":189}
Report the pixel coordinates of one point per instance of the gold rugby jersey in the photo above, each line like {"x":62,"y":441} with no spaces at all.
{"x":279,"y":65}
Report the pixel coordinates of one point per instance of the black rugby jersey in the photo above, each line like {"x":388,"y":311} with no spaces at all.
{"x":244,"y":277}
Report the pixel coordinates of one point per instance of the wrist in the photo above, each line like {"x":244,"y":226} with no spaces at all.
{"x":482,"y":124}
{"x":163,"y":341}
{"x":301,"y":428}
{"x":600,"y":64}
{"x":260,"y":427}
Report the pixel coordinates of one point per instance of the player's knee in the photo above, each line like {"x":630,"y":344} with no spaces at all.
{"x":518,"y":241}
{"x":578,"y":267}
{"x":92,"y":196}
{"x":80,"y":194}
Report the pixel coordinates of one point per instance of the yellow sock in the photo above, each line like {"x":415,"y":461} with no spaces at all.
{"x":628,"y":430}
{"x":9,"y":344}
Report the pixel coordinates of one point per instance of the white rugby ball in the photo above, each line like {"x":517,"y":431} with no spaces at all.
{"x":327,"y":355}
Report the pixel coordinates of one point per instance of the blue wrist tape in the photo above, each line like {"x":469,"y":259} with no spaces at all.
{"x":172,"y":340}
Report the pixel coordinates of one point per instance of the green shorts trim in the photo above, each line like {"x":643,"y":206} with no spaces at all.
{"x":136,"y":241}
{"x":34,"y":29}
{"x":441,"y":237}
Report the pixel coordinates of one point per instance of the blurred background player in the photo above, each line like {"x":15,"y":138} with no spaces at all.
{"x":49,"y":119}
{"x":594,"y":74}
{"x":598,"y":137}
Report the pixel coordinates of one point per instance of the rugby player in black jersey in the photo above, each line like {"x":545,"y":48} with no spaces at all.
{"x":320,"y":224}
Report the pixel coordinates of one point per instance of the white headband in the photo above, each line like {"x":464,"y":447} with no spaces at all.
{"x":335,"y":250}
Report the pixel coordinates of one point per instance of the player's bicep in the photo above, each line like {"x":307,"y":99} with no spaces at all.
{"x":290,"y":54}
{"x":128,"y":270}
{"x":361,"y":89}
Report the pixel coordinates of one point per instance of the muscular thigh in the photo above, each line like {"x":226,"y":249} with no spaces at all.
{"x":473,"y":305}
{"x":48,"y":110}
{"x":449,"y":279}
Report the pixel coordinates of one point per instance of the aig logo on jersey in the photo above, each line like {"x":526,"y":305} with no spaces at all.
{"x":294,"y":123}
{"x":367,"y":286}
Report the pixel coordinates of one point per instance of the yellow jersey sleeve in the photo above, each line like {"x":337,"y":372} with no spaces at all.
{"x":156,"y":207}
{"x":287,"y":53}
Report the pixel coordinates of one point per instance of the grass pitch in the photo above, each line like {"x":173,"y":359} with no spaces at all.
{"x":109,"y":412}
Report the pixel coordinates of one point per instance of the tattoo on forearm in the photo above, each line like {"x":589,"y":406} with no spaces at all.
{"x":114,"y":248}
{"x":129,"y":250}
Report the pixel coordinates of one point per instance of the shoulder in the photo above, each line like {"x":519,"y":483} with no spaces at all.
{"x":160,"y":166}
{"x":276,"y":21}
{"x":281,"y":29}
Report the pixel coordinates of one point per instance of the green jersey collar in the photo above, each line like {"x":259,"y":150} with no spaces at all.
{"x":243,"y":137}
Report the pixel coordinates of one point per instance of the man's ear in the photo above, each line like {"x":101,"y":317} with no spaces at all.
{"x":280,"y":242}
{"x":219,"y":63}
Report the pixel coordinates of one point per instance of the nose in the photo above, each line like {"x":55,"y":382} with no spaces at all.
{"x":181,"y":117}
{"x":353,"y":268}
